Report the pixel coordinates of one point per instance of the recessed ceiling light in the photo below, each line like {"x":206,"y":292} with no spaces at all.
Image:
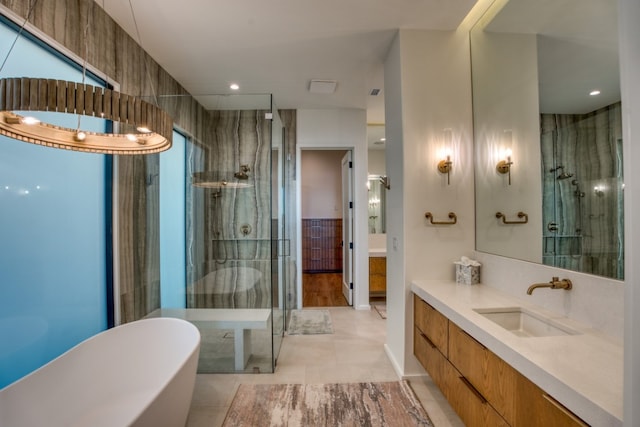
{"x":234,"y":86}
{"x":383,"y":139}
{"x":594,"y":92}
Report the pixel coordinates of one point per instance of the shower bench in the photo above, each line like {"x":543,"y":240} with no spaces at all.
{"x":241,"y":320}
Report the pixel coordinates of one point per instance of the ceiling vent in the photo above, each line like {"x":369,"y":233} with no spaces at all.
{"x":374,"y":92}
{"x":322,"y":86}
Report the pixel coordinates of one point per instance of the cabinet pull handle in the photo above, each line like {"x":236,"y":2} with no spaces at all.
{"x":564,"y":410}
{"x":473,"y":390}
{"x":426,"y":338}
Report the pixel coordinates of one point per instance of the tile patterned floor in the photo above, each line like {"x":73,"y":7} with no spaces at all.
{"x":353,"y":353}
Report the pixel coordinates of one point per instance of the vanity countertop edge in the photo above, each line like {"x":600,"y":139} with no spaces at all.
{"x":583,"y":372}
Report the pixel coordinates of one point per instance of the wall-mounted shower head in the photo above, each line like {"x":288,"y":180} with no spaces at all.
{"x":564,"y":175}
{"x":242,"y":173}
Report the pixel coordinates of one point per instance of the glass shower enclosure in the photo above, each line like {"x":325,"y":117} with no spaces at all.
{"x":238,"y":252}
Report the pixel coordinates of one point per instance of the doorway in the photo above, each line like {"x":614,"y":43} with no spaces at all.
{"x":325,"y":251}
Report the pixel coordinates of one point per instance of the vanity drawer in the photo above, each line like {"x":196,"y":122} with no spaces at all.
{"x":535,"y":408}
{"x":472,"y":408}
{"x":494,"y":379}
{"x":432,"y":323}
{"x":430,"y":358}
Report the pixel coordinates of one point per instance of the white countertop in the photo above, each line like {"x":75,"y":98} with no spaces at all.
{"x":377,"y":252}
{"x":584,"y":372}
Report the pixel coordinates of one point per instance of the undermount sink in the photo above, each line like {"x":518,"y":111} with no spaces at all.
{"x":525,"y":323}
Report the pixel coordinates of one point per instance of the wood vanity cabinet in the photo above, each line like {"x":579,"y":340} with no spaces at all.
{"x":536,"y":408}
{"x":491,"y":376}
{"x":481,"y":387}
{"x":431,"y":347}
{"x":434,"y":325}
{"x":378,"y":275}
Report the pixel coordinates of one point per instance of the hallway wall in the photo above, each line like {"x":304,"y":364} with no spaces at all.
{"x":342,"y":129}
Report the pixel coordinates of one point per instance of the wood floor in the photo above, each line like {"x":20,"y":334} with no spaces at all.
{"x":322,"y":290}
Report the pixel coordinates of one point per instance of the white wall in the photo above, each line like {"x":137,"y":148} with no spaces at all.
{"x":340,"y":129}
{"x":321,"y":183}
{"x":395,"y":232}
{"x":628,"y":18}
{"x":377,"y":162}
{"x":506,"y":97}
{"x":427,"y":90}
{"x":594,"y":301}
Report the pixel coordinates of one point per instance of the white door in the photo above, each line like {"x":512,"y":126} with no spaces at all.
{"x":347,"y":227}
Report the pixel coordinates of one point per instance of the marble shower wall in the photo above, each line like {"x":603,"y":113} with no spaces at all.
{"x":583,"y":191}
{"x":114,"y":53}
{"x":229,"y":236}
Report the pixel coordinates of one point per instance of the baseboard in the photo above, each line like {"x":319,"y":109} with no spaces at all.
{"x":394,"y":362}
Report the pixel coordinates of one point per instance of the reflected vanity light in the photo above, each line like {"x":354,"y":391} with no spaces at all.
{"x":504,"y":165}
{"x":445,"y":165}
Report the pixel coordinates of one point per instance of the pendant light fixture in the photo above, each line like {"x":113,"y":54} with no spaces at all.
{"x":150,"y":127}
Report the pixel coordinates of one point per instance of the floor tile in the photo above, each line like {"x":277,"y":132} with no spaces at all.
{"x":353,"y":353}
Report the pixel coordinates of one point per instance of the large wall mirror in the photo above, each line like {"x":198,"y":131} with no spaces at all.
{"x":548,"y":134}
{"x":376,"y":142}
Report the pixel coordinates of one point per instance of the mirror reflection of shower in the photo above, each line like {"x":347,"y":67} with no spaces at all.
{"x":583,"y":223}
{"x":573,"y":243}
{"x":216,"y":222}
{"x":377,"y":205}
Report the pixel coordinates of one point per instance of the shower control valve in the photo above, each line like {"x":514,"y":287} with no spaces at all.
{"x":245,"y":229}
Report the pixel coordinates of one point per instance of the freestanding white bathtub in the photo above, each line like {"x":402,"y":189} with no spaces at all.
{"x":138,"y":374}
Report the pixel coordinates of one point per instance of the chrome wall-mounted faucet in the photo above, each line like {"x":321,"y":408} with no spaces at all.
{"x":555,"y":283}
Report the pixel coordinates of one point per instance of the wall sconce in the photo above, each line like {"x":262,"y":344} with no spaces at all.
{"x":504,"y":165}
{"x":445,"y":165}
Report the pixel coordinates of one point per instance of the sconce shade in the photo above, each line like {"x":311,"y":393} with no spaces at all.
{"x":47,"y":95}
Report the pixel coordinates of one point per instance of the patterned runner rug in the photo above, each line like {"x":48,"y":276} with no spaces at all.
{"x":347,"y":405}
{"x":309,"y":322}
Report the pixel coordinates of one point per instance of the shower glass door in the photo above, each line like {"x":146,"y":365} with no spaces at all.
{"x":236,"y":226}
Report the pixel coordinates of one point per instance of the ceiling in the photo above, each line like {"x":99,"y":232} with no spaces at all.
{"x":279,"y":46}
{"x":577,"y":50}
